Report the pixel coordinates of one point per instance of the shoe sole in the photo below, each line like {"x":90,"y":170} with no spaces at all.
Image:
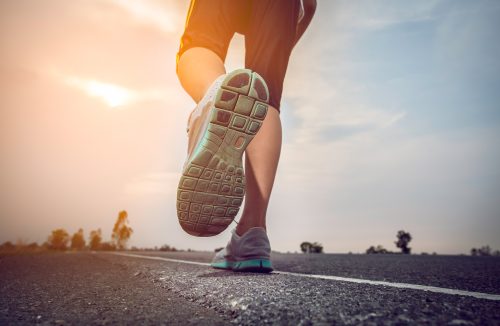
{"x":212,"y":185}
{"x":251,"y":265}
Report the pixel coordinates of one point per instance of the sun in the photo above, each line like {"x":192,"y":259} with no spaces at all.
{"x":113,"y":95}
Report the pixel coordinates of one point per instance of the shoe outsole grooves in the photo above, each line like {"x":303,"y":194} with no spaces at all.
{"x":212,"y":185}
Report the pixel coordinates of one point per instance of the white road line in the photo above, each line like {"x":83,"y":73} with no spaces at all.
{"x":161,"y":258}
{"x":435,"y":289}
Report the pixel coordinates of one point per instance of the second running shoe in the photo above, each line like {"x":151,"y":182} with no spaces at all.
{"x":212,"y":185}
{"x":250,"y":252}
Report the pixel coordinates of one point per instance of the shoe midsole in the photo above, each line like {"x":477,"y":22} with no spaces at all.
{"x":250,"y":263}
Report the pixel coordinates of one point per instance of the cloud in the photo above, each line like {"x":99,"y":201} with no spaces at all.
{"x":147,"y":12}
{"x":333,"y":109}
{"x":325,"y":89}
{"x":378,"y":15}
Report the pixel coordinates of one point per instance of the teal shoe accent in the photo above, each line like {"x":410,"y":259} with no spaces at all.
{"x":253,"y":265}
{"x":223,"y":265}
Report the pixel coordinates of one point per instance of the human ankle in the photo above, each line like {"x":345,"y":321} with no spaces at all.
{"x":241,"y":229}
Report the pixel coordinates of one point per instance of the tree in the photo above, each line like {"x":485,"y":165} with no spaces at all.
{"x":168,"y":248}
{"x":403,"y":239}
{"x":317,"y":248}
{"x":78,"y":241}
{"x":122,"y":231}
{"x":32,"y":246}
{"x":7,"y":246}
{"x":58,"y":240}
{"x":307,"y":247}
{"x":95,"y":239}
{"x":377,"y":250}
{"x":483,"y":251}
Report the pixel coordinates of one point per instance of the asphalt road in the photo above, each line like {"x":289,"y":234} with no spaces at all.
{"x":104,"y":288}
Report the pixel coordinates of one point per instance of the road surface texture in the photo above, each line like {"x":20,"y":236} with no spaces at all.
{"x":179,"y":288}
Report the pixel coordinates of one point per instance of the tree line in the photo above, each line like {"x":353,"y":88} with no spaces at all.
{"x":59,"y":239}
{"x":403,"y":239}
{"x":402,"y":242}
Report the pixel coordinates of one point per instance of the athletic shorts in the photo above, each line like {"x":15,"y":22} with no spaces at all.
{"x":269,"y":27}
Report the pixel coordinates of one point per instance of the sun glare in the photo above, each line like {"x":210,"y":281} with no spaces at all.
{"x":113,"y":95}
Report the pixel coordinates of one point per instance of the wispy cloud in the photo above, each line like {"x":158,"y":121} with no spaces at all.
{"x":148,"y":12}
{"x":336,"y":103}
{"x":336,"y":109}
{"x":368,"y":16}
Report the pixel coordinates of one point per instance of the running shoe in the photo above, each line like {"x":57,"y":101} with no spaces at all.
{"x":249,"y":253}
{"x":212,"y":185}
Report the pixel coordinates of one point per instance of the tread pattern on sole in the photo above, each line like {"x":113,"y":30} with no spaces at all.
{"x":212,"y":185}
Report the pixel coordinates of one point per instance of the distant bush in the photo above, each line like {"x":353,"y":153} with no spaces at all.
{"x":377,"y":250}
{"x":167,"y":248}
{"x":32,"y":246}
{"x":7,"y":246}
{"x":107,"y":246}
{"x":312,"y":248}
{"x":484,"y":251}
{"x":58,"y":240}
{"x":20,"y":247}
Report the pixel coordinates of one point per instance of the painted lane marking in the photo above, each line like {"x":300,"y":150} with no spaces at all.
{"x":161,"y":258}
{"x":435,"y":289}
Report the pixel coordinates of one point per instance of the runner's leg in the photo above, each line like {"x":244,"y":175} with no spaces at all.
{"x":269,"y":40}
{"x":197,"y":68}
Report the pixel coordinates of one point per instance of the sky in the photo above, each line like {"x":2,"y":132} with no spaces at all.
{"x":390,"y":112}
